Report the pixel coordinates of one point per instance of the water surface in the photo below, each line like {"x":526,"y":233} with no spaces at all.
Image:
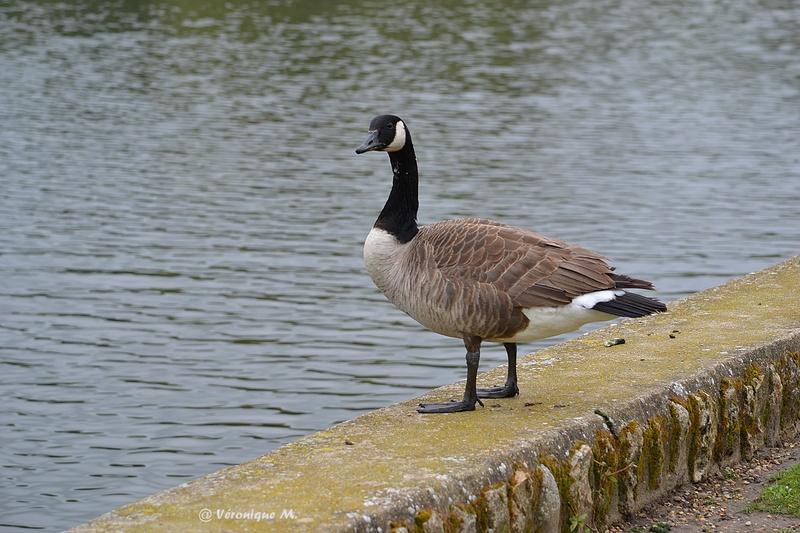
{"x":182,"y":212}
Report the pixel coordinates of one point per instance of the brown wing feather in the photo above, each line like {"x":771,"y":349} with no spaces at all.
{"x":530,"y":269}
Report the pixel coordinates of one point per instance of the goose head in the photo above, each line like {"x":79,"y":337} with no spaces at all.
{"x":387,"y":133}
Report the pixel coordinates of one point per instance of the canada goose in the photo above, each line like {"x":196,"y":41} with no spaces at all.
{"x":478,"y":279}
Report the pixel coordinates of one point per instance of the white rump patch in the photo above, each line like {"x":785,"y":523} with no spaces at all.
{"x":399,"y":140}
{"x":588,"y":301}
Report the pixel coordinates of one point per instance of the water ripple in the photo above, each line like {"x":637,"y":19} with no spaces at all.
{"x":182,"y":214}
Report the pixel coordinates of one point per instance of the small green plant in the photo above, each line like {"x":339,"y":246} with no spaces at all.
{"x":607,"y":477}
{"x":578,"y":523}
{"x":783,"y":496}
{"x":730,"y":474}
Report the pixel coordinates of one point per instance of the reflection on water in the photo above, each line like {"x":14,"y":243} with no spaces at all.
{"x":183,"y":213}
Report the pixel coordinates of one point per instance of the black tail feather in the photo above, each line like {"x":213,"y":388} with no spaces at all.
{"x":621,"y":281}
{"x":631,"y":305}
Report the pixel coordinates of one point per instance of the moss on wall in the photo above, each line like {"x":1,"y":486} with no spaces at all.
{"x":653,"y":451}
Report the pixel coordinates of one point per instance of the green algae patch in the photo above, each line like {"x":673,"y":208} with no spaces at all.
{"x":729,"y":431}
{"x":790,"y":411}
{"x":653,"y":451}
{"x":605,"y":469}
{"x":675,"y":434}
{"x":560,"y":471}
{"x":396,"y":468}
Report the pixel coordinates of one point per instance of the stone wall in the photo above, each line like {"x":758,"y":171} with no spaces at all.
{"x":624,"y":467}
{"x":599,"y":430}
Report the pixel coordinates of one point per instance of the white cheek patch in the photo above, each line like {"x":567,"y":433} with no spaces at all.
{"x":399,"y":140}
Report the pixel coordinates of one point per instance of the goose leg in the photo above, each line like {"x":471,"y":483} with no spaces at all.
{"x":473,"y":345}
{"x":510,"y":389}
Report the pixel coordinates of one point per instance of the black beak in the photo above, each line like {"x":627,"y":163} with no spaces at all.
{"x":370,"y":143}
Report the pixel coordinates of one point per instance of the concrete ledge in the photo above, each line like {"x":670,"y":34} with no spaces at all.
{"x":690,"y":391}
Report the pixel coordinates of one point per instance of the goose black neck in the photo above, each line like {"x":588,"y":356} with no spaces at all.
{"x":399,"y":214}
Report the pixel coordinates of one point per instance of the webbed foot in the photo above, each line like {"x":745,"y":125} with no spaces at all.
{"x":448,"y":407}
{"x":509,"y":390}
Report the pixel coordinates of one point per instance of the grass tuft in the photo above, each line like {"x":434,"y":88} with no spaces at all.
{"x":783,"y":496}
